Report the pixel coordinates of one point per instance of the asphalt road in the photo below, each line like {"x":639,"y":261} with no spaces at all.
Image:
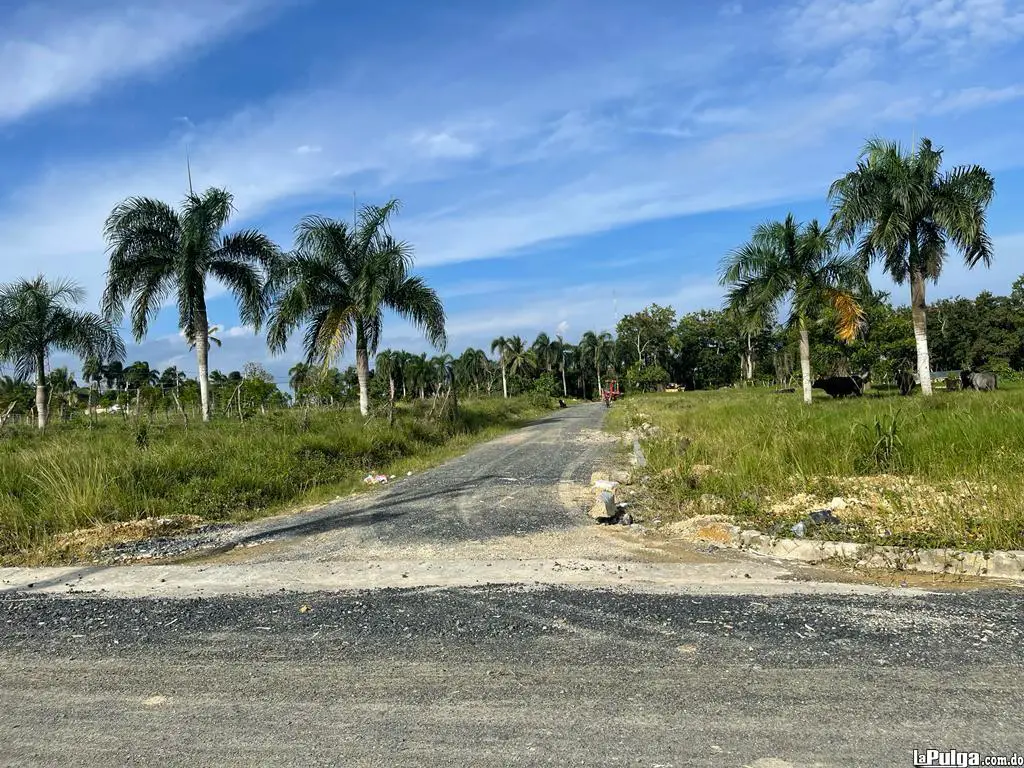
{"x":710,"y":659}
{"x":500,"y":676}
{"x":504,"y":488}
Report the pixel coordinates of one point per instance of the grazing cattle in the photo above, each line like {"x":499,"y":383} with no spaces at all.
{"x":983,"y":382}
{"x":905,"y":382}
{"x":842,"y":386}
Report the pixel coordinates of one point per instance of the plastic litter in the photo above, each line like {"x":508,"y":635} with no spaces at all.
{"x":373,"y":479}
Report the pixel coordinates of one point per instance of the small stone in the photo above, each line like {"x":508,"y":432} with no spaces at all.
{"x":626,"y":519}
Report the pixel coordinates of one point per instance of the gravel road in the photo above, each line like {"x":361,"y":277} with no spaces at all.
{"x":509,"y":676}
{"x":271,"y":653}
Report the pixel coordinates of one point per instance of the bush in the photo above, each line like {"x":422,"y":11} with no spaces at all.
{"x":644,"y":378}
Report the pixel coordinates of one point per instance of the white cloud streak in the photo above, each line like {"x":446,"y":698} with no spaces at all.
{"x":52,"y":56}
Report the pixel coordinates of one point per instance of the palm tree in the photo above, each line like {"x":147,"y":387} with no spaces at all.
{"x":473,"y":365}
{"x":518,"y":359}
{"x":156,"y":251}
{"x":139,"y":374}
{"x":113,"y":374}
{"x":299,"y":376}
{"x":543,"y":350}
{"x":908,"y":211}
{"x":559,"y":350}
{"x":62,"y":384}
{"x":500,"y":345}
{"x":785,"y":263}
{"x":37,"y":316}
{"x":598,"y":348}
{"x":386,"y":364}
{"x":338,"y":283}
{"x":210,"y":335}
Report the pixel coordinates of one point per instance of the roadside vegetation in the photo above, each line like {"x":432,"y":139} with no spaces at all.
{"x":77,"y":476}
{"x":946,"y":471}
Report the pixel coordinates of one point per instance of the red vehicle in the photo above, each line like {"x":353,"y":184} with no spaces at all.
{"x":611,"y":392}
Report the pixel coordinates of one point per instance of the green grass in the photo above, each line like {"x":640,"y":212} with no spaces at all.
{"x":74,"y":477}
{"x":941,"y":472}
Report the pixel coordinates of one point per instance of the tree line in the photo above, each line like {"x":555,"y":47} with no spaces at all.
{"x":794,"y":290}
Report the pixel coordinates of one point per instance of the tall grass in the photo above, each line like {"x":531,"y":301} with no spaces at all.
{"x":75,"y":476}
{"x":951,"y":467}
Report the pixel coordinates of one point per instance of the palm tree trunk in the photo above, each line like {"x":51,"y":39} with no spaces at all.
{"x":504,"y":383}
{"x":362,"y":370}
{"x":920,"y":317}
{"x":565,"y":387}
{"x":41,"y":409}
{"x":597,"y":367}
{"x":391,"y":387}
{"x":202,"y":339}
{"x":805,"y":361}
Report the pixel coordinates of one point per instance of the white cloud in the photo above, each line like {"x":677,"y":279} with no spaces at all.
{"x":444,"y":144}
{"x":559,"y":156}
{"x":49,"y":57}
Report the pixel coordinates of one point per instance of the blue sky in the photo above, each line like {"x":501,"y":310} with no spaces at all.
{"x":560,"y":163}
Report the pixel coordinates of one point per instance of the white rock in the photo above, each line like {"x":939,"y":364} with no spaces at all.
{"x":604,"y":506}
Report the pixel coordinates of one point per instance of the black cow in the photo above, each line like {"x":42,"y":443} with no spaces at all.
{"x":842,"y":386}
{"x":983,"y":382}
{"x":905,"y":382}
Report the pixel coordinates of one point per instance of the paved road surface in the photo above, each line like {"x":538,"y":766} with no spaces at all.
{"x":707,"y":659}
{"x":500,"y":676}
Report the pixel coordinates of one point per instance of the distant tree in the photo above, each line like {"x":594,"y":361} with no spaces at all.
{"x":644,"y":336}
{"x":139,"y":374}
{"x":500,"y":346}
{"x":598,"y":349}
{"x":37,"y":316}
{"x":908,"y":212}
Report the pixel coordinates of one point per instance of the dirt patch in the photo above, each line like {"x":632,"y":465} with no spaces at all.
{"x":130,"y":540}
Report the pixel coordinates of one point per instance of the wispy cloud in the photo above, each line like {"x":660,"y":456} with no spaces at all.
{"x":49,"y":56}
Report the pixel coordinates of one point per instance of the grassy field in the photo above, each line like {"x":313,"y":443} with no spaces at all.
{"x":941,"y":472}
{"x":75,"y":477}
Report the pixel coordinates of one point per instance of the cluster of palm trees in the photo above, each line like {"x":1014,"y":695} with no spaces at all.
{"x":897,"y":208}
{"x":335,"y":285}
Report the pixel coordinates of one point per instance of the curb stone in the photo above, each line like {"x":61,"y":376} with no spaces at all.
{"x":1004,"y":564}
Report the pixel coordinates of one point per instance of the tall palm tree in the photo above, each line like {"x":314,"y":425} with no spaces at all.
{"x":786,"y":263}
{"x":559,"y":350}
{"x":599,"y":348}
{"x":386,"y":364}
{"x":157,"y":251}
{"x":543,"y":350}
{"x":113,"y":374}
{"x":500,"y":345}
{"x":473,"y":365}
{"x":908,"y":211}
{"x":519,"y":360}
{"x":139,"y":374}
{"x":62,"y":384}
{"x":299,"y":376}
{"x":338,"y":283}
{"x":37,"y":316}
